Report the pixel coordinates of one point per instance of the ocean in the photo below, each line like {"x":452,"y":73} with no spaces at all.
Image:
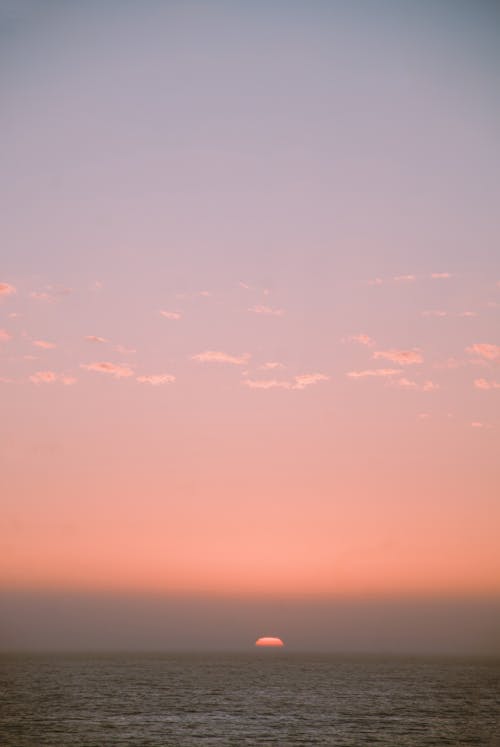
{"x":260,"y":698}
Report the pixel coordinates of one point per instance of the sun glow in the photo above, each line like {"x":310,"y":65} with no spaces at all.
{"x":269,"y":642}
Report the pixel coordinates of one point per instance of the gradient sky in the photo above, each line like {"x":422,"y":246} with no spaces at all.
{"x":249,"y":299}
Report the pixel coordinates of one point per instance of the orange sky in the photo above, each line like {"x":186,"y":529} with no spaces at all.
{"x":249,"y":334}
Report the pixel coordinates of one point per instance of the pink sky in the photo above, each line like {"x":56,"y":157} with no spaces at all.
{"x":249,"y":321}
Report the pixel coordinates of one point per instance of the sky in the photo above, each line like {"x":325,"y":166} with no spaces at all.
{"x":249,"y":321}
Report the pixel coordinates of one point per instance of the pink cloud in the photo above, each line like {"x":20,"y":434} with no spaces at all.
{"x":218,"y":356}
{"x":298,"y":382}
{"x":402,"y":357}
{"x":5,"y":380}
{"x":485,"y":350}
{"x":450,"y":363}
{"x":304,"y":380}
{"x":375,"y":281}
{"x":423,"y":415}
{"x":174,"y":315}
{"x":485,"y":384}
{"x":43,"y":377}
{"x":403,"y":383}
{"x":68,"y":380}
{"x":435,"y":313}
{"x":49,"y":377}
{"x":361,"y":339}
{"x":156,"y":379}
{"x":477,"y":424}
{"x":374,"y":372}
{"x":114,"y":369}
{"x":271,"y":365}
{"x":6,"y":289}
{"x":5,"y":336}
{"x":44,"y":344}
{"x":440,"y":275}
{"x":51,"y":293}
{"x":124,"y":350}
{"x":95,"y":338}
{"x":266,"y":310}
{"x":404,"y":278}
{"x":429,"y":386}
{"x":267,"y":384}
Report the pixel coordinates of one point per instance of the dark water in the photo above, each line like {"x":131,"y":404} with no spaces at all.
{"x":265,"y":698}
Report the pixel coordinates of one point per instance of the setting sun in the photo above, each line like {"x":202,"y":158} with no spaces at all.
{"x":269,"y":642}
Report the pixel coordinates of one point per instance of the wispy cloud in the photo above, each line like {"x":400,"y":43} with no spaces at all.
{"x":95,"y":338}
{"x":113,"y":369}
{"x":49,"y":377}
{"x":376,"y":372}
{"x":44,"y":377}
{"x":404,"y":278}
{"x":5,"y":336}
{"x":402,"y":357}
{"x":267,"y":384}
{"x":361,"y":339}
{"x":485,"y":384}
{"x":6,"y":289}
{"x":298,"y":382}
{"x":50,"y":293}
{"x":44,"y":344}
{"x":218,"y":356}
{"x":156,"y":379}
{"x":266,"y":310}
{"x":375,"y":281}
{"x":304,"y":380}
{"x":485,"y":350}
{"x":450,"y":363}
{"x":442,"y":313}
{"x":440,"y":275}
{"x":173,"y":315}
{"x":124,"y":350}
{"x":435,"y":313}
{"x":403,"y":383}
{"x":271,"y":365}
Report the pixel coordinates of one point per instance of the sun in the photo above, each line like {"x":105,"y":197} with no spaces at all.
{"x":269,"y":642}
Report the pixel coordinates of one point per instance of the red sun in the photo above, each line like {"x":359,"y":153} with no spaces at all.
{"x":276,"y":642}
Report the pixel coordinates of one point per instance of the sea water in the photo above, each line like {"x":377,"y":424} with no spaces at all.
{"x":262,"y":698}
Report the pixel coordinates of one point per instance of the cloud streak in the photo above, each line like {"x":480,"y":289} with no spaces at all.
{"x":219,"y":356}
{"x":485,"y":384}
{"x":112,"y":369}
{"x":95,"y":338}
{"x":156,"y":379}
{"x":485,"y":350}
{"x":50,"y":377}
{"x":44,"y":344}
{"x":301,"y":381}
{"x":6,"y":289}
{"x":401,"y":357}
{"x":374,"y":372}
{"x":266,"y":310}
{"x":361,"y":339}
